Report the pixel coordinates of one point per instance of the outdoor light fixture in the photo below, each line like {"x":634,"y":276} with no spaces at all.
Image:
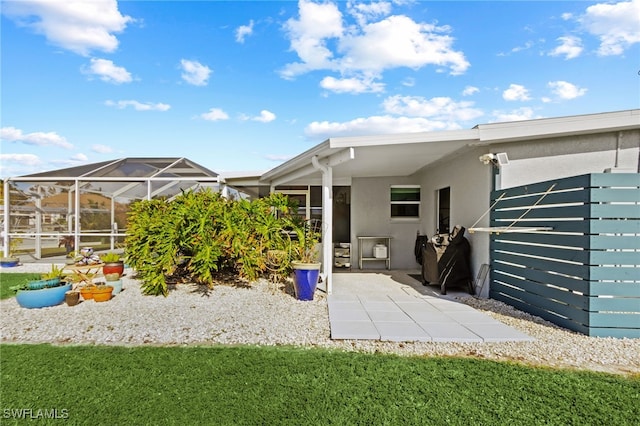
{"x":500,"y":159}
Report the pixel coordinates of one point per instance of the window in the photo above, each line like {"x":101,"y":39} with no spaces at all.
{"x":444,"y":210}
{"x":405,"y":201}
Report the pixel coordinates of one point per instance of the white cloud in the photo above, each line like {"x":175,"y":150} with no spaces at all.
{"x":528,"y":45}
{"x":79,"y":157}
{"x":193,"y":72}
{"x":138,"y":106}
{"x":108,"y":71}
{"x":365,"y":12}
{"x":516,"y":92}
{"x":308,"y":35}
{"x":374,"y":125}
{"x":366,"y":47}
{"x":278,"y":157}
{"x":470,"y":90}
{"x":265,"y":116}
{"x":102,"y":149}
{"x":565,"y":90}
{"x":243,"y":31}
{"x":11,"y":134}
{"x":519,"y":114}
{"x":570,"y":47}
{"x":443,"y":109}
{"x":78,"y":26}
{"x":351,"y":85}
{"x":617,"y":25}
{"x":215,"y":114}
{"x":20,"y":159}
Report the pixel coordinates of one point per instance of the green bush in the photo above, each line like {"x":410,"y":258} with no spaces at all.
{"x":199,"y":234}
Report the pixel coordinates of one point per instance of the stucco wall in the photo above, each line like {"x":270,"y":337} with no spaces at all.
{"x":371,"y":216}
{"x":540,"y":160}
{"x":470,"y":183}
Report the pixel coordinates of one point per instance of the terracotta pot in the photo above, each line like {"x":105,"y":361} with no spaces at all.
{"x":113,"y":268}
{"x":72,"y":298}
{"x":102,"y":294}
{"x":87,"y":292}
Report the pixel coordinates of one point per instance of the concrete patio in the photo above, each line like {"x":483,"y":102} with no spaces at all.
{"x":393,"y":306}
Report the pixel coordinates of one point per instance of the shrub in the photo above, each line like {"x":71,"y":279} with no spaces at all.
{"x":199,"y":234}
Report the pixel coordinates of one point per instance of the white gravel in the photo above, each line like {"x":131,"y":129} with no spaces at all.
{"x":266,"y":314}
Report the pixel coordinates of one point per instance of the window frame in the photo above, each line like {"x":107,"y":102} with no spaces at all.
{"x":405,"y":202}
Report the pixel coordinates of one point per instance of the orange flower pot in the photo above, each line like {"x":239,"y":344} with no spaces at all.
{"x":102,"y":293}
{"x":87,"y":292}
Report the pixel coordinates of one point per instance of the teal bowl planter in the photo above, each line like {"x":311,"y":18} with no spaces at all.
{"x":42,"y":298}
{"x":117,"y":286}
{"x":305,"y":279}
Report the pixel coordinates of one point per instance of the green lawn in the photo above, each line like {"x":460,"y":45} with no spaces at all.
{"x":248,"y":385}
{"x":10,"y":279}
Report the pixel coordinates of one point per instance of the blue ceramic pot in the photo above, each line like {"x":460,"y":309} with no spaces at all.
{"x":42,"y":298}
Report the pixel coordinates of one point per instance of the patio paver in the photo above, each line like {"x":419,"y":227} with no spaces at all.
{"x":372,"y":306}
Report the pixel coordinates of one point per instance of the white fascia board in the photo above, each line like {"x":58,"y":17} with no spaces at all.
{"x":555,"y":127}
{"x":470,"y":135}
{"x":296,"y":162}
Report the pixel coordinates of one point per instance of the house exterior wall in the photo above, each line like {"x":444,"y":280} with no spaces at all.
{"x":540,"y":160}
{"x":470,"y":183}
{"x":371,"y":216}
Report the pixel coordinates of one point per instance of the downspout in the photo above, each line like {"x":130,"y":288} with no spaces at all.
{"x":5,"y":225}
{"x":327,"y":222}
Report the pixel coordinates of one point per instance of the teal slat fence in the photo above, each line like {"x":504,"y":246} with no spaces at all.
{"x":584,"y":274}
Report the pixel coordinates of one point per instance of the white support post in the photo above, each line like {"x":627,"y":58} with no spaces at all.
{"x":76,"y":218}
{"x":5,"y":230}
{"x":327,"y":222}
{"x":38,"y":245}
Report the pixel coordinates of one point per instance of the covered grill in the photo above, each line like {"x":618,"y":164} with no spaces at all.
{"x":445,"y":260}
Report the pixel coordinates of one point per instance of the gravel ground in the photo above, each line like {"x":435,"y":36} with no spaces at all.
{"x":266,"y":314}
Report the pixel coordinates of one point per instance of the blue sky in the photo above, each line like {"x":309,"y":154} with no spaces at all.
{"x":240,"y":85}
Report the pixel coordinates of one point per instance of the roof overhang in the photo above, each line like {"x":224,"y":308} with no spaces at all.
{"x":405,"y":154}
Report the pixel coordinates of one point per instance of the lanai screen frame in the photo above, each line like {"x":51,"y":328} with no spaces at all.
{"x":171,"y":178}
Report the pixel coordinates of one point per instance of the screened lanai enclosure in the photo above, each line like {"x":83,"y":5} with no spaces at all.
{"x":57,"y":212}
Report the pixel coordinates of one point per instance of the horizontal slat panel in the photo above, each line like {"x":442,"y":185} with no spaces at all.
{"x":537,"y":311}
{"x":614,"y":257}
{"x":614,"y":273}
{"x":607,"y":226}
{"x":614,"y":211}
{"x":601,"y":195}
{"x":533,"y":288}
{"x":579,"y":241}
{"x":614,"y":179}
{"x":577,"y":196}
{"x":581,"y":271}
{"x":619,"y":332}
{"x":581,"y":256}
{"x":615,"y":289}
{"x":604,"y":242}
{"x":580,"y":225}
{"x":546,"y":277}
{"x":582,"y":181}
{"x":617,"y":304}
{"x":551,"y":212}
{"x":576,"y":314}
{"x":600,"y":319}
